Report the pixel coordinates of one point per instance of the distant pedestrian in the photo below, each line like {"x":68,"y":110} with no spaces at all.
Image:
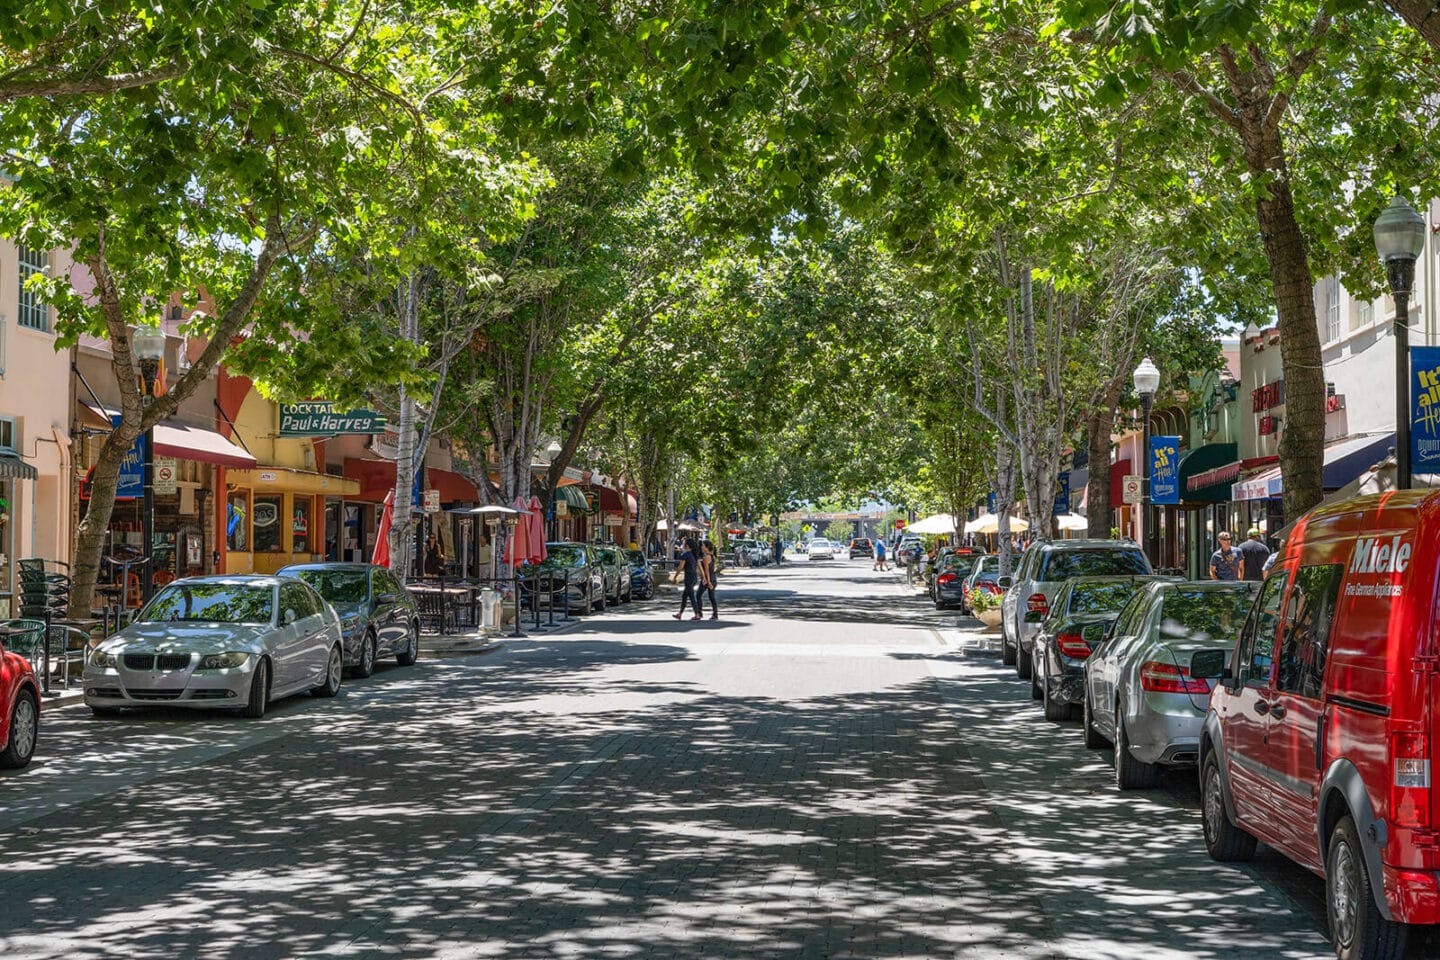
{"x":1253,"y":554}
{"x":709,"y":570}
{"x":689,"y":570}
{"x":434,"y":557}
{"x":1224,"y":562}
{"x":879,"y":563}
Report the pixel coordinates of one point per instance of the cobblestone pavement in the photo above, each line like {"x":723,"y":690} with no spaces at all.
{"x":831,"y":770}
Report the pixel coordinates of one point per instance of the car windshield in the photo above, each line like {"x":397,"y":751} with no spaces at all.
{"x":953,"y":561}
{"x":988,"y":576}
{"x":338,"y":586}
{"x":212,"y":603}
{"x":1100,"y":597}
{"x":565,"y":555}
{"x":1205,"y":616}
{"x":1064,"y":564}
{"x":635,"y":556}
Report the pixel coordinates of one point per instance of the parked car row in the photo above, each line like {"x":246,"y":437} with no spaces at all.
{"x":599,"y":575}
{"x":1309,"y":704}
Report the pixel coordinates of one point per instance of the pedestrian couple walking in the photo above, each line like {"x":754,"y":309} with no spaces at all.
{"x":698,"y":567}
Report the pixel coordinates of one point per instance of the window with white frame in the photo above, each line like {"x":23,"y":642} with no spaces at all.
{"x":32,"y":311}
{"x":1332,"y":308}
{"x":1364,"y":314}
{"x":7,"y":436}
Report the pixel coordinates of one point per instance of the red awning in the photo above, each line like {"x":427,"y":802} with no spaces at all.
{"x":376,"y":478}
{"x":1119,"y":470}
{"x":199,"y":444}
{"x":452,"y":486}
{"x":610,"y":502}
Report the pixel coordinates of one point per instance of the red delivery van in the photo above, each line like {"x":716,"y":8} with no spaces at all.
{"x":1320,"y":736}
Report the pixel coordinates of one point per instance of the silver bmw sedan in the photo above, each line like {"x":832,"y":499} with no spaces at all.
{"x":235,"y":642}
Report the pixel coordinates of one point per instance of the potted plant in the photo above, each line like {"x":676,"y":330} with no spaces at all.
{"x":986,"y":607}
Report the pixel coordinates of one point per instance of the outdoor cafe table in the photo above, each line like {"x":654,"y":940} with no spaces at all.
{"x":456,"y":596}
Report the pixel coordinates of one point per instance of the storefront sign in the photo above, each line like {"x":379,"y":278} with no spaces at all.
{"x":614,"y":520}
{"x":1269,"y":426}
{"x":1267,"y":397}
{"x":1425,"y":409}
{"x":432,"y":501}
{"x":1062,"y":494}
{"x":164,"y":476}
{"x":318,"y":418}
{"x":1165,"y":470}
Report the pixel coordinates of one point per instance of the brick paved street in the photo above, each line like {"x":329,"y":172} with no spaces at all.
{"x":826,"y":772}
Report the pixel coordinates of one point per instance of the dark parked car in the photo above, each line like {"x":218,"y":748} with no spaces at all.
{"x":861,"y":547}
{"x":642,"y":576}
{"x":617,"y":573}
{"x":378,"y":616}
{"x":586,"y":587}
{"x":1080,"y":615}
{"x":984,"y":576}
{"x":947,"y":586}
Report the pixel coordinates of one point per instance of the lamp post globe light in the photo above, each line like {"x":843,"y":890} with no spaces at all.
{"x":1147,"y":381}
{"x":1400,"y":239}
{"x":148,"y":342}
{"x":552,"y":451}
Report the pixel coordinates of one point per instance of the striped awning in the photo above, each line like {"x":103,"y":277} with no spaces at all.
{"x":13,"y":468}
{"x":572,"y":497}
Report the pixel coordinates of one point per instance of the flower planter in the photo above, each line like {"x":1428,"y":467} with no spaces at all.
{"x":991,"y":618}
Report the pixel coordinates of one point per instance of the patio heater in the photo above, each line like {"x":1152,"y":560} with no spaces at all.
{"x":551,"y":533}
{"x":1147,"y":381}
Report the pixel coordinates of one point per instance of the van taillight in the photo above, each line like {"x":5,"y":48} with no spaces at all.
{"x":1072,"y":645}
{"x":1157,"y":676}
{"x":1038,"y":604}
{"x":1410,"y":792}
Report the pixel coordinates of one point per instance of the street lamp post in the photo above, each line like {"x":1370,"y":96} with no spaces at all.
{"x":553,"y":533}
{"x":1147,"y":381}
{"x":149,"y":345}
{"x":1400,"y":239}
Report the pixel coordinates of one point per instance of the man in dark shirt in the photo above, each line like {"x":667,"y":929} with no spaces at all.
{"x":1253,"y":553}
{"x":1224,"y":562}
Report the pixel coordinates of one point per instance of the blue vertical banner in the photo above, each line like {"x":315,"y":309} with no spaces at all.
{"x":132,"y":471}
{"x":1165,"y":470}
{"x":992,"y":504}
{"x":1425,"y":409}
{"x":1062,"y":493}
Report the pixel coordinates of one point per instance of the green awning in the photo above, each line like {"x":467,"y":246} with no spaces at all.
{"x":574,"y":498}
{"x":1207,"y":472}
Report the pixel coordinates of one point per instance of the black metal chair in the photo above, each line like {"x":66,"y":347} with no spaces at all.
{"x":434,"y":610}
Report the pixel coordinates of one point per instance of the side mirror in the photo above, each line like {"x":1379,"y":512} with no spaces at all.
{"x":1034,"y":616}
{"x":289,"y":617}
{"x":1004,"y":582}
{"x":387,"y":599}
{"x":1209,"y":664}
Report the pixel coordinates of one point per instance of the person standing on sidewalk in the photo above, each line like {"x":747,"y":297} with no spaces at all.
{"x":879,"y":563}
{"x":689,"y":569}
{"x":1224,"y":562}
{"x":1253,"y":554}
{"x":709,"y":570}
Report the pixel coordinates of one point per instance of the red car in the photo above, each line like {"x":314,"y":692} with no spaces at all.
{"x":19,"y":709}
{"x":1321,"y":736}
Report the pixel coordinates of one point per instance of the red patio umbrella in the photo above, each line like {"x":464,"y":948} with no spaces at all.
{"x":537,"y":530}
{"x":381,"y":557}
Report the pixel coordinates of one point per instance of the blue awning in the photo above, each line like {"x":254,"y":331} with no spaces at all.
{"x":1347,"y":459}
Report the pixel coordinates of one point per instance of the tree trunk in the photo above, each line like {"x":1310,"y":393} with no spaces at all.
{"x":1100,"y":427}
{"x":1423,"y":15}
{"x":402,"y":526}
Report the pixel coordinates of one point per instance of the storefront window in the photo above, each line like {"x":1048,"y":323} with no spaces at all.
{"x":300,"y":524}
{"x":237,"y":522}
{"x":268,"y":534}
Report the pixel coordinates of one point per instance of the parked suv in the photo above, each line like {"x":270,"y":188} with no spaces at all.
{"x":1320,"y":738}
{"x":616,"y":568}
{"x":861,"y":547}
{"x":1043,"y":570}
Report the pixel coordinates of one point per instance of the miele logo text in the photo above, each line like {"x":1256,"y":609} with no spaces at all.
{"x":1373,"y":555}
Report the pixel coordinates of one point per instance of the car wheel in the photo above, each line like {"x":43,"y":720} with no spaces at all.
{"x":1007,"y":653}
{"x":259,"y":691}
{"x":1224,"y":841}
{"x":366,"y":666}
{"x":1093,"y":738}
{"x":1357,"y":929}
{"x":600,"y":600}
{"x":1035,"y":692}
{"x":24,"y":732}
{"x":1130,"y":773}
{"x":334,"y":671}
{"x":411,"y":653}
{"x":1054,"y":709}
{"x":1022,"y":663}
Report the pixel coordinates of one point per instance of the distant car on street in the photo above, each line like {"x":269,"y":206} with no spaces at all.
{"x":617,"y":573}
{"x":19,"y":709}
{"x":642,"y":576}
{"x":861,"y":547}
{"x":378,"y":616}
{"x":221,"y":641}
{"x":820,"y":549}
{"x":947,"y":586}
{"x":984,"y":576}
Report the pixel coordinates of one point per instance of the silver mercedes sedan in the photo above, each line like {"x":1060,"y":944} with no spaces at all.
{"x":1139,"y":691}
{"x":235,"y":642}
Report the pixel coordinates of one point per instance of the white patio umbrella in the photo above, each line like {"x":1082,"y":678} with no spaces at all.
{"x":1071,"y":521}
{"x":938,"y":523}
{"x":989,"y":523}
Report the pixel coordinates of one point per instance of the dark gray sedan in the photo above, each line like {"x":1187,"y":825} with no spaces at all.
{"x":378,"y":617}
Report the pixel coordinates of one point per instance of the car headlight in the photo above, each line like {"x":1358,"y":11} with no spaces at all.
{"x":223,"y":661}
{"x":102,"y":659}
{"x":349,"y":624}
